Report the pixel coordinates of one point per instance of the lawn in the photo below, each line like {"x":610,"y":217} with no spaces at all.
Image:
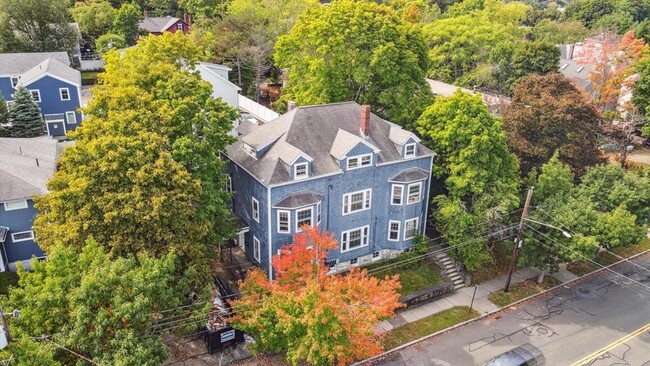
{"x":582,"y":267}
{"x":7,"y":279}
{"x":89,"y":77}
{"x":522,"y":290}
{"x":413,"y":276}
{"x":428,"y":325}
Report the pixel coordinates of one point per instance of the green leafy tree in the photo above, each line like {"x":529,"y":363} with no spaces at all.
{"x":557,"y":32}
{"x":95,"y":17}
{"x":589,"y":11}
{"x":95,"y":305}
{"x":109,"y":41}
{"x":534,"y":58}
{"x":25,"y":115}
{"x":356,"y":51}
{"x":547,"y":114}
{"x":126,"y":21}
{"x":641,"y":91}
{"x":480,"y":173}
{"x":205,"y":8}
{"x":37,"y":26}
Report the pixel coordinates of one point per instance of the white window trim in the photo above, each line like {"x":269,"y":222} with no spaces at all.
{"x":401,"y":196}
{"x":255,"y":205}
{"x":319,"y":212}
{"x":359,"y":159}
{"x":295,"y":170}
{"x":416,"y":219}
{"x":22,"y":232}
{"x":288,"y":231}
{"x":257,"y":248}
{"x":347,"y":234}
{"x":11,"y":79}
{"x":180,"y":26}
{"x":378,"y":257}
{"x":408,"y":194}
{"x":250,"y":150}
{"x":229,"y":183}
{"x":61,"y":94}
{"x":348,"y":196}
{"x":38,"y":92}
{"x":399,"y":229}
{"x":74,"y":117}
{"x":311,"y":217}
{"x":406,"y":154}
{"x":24,"y":205}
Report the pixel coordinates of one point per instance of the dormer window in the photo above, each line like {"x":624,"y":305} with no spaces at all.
{"x":250,"y":150}
{"x":300,"y":171}
{"x":359,"y":161}
{"x":14,"y":82}
{"x":409,"y":150}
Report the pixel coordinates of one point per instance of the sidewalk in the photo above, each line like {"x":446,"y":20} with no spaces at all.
{"x":463,"y":297}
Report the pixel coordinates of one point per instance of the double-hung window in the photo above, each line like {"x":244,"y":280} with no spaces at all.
{"x":415,"y":193}
{"x":410,"y":228}
{"x":396,"y":194}
{"x":15,"y":205}
{"x":250,"y":150}
{"x":303,"y":217}
{"x":356,"y":201}
{"x":359,"y":161}
{"x":355,"y":238}
{"x":256,"y":248}
{"x":256,"y":210}
{"x":300,"y":171}
{"x":409,"y":150}
{"x":64,"y":93}
{"x":22,"y":236}
{"x":36,"y":95}
{"x":284,"y":221}
{"x":393,"y":230}
{"x":71,"y":117}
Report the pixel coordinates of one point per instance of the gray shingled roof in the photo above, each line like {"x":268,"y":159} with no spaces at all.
{"x":409,"y":175}
{"x":52,"y":67}
{"x":18,"y":63}
{"x":300,"y":199}
{"x":157,"y":24}
{"x":312,"y":130}
{"x":20,"y":175}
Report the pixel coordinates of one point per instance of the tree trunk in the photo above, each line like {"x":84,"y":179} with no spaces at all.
{"x":540,"y":278}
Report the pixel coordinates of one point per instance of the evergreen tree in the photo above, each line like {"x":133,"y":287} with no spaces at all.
{"x":25,"y":115}
{"x":4,"y":117}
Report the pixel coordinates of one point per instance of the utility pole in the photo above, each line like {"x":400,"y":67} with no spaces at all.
{"x":518,"y":240}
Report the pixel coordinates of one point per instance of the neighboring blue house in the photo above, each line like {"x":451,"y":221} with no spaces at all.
{"x":27,"y":164}
{"x":337,"y":166}
{"x":55,"y":86}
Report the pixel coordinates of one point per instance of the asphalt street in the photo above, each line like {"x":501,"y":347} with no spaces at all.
{"x":601,"y":320}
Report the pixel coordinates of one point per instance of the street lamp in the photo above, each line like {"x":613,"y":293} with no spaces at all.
{"x":564,"y":232}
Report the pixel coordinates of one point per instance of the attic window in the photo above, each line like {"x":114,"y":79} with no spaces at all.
{"x":14,"y":82}
{"x":250,"y":150}
{"x":300,"y":171}
{"x":564,"y":66}
{"x":409,"y":150}
{"x":179,"y":26}
{"x":580,"y":68}
{"x":359,"y":161}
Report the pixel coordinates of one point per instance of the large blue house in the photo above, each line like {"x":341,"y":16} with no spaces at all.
{"x":55,"y":86}
{"x":26,"y":165}
{"x":338,"y":166}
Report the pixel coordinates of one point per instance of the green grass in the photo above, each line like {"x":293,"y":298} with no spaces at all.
{"x":522,"y":290}
{"x":7,"y":279}
{"x":89,"y":77}
{"x":428,"y":325}
{"x":582,"y":267}
{"x":413,"y":276}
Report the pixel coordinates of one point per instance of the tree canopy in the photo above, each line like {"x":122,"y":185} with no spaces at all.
{"x":322,"y":319}
{"x":94,"y":17}
{"x":359,"y":51}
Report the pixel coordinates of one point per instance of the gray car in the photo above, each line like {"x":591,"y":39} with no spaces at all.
{"x":524,"y":355}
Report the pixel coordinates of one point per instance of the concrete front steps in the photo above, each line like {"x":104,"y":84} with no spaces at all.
{"x":450,"y":269}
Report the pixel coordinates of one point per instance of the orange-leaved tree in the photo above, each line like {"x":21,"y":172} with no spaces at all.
{"x":322,"y":319}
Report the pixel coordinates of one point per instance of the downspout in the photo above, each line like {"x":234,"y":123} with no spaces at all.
{"x":269,"y":228}
{"x":426,"y":205}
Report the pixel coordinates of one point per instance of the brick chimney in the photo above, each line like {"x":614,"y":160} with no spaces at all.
{"x":291,"y":105}
{"x":365,"y":120}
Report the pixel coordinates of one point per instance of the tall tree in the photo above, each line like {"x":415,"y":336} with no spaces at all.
{"x":38,"y":25}
{"x":25,"y":115}
{"x":480,"y":173}
{"x":589,"y":11}
{"x":4,"y":118}
{"x":94,"y":17}
{"x":359,"y":51}
{"x":557,"y":32}
{"x":322,"y":319}
{"x":547,"y":114}
{"x":97,"y":306}
{"x":126,"y":21}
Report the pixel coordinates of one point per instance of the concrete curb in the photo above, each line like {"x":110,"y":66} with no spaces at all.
{"x":432,"y":335}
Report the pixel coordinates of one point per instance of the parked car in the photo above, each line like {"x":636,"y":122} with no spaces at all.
{"x":524,"y":355}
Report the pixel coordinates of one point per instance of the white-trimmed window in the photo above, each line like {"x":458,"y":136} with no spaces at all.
{"x":229,"y":183}
{"x":22,"y":236}
{"x":15,"y":205}
{"x":256,"y":210}
{"x":256,"y":248}
{"x":284,"y":221}
{"x":376,"y":256}
{"x":64,"y":93}
{"x":355,"y":238}
{"x":36,"y":95}
{"x":393,"y":230}
{"x":14,"y":81}
{"x":409,"y":150}
{"x":179,"y":26}
{"x":300,"y":171}
{"x":410,"y":228}
{"x":250,"y":150}
{"x":415,"y":193}
{"x":396,"y":194}
{"x":356,"y":201}
{"x":318,"y":213}
{"x":359,"y":161}
{"x":303,"y":217}
{"x":71,"y":117}
{"x":354,"y":261}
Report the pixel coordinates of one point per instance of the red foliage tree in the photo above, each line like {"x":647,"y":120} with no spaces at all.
{"x":322,"y":319}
